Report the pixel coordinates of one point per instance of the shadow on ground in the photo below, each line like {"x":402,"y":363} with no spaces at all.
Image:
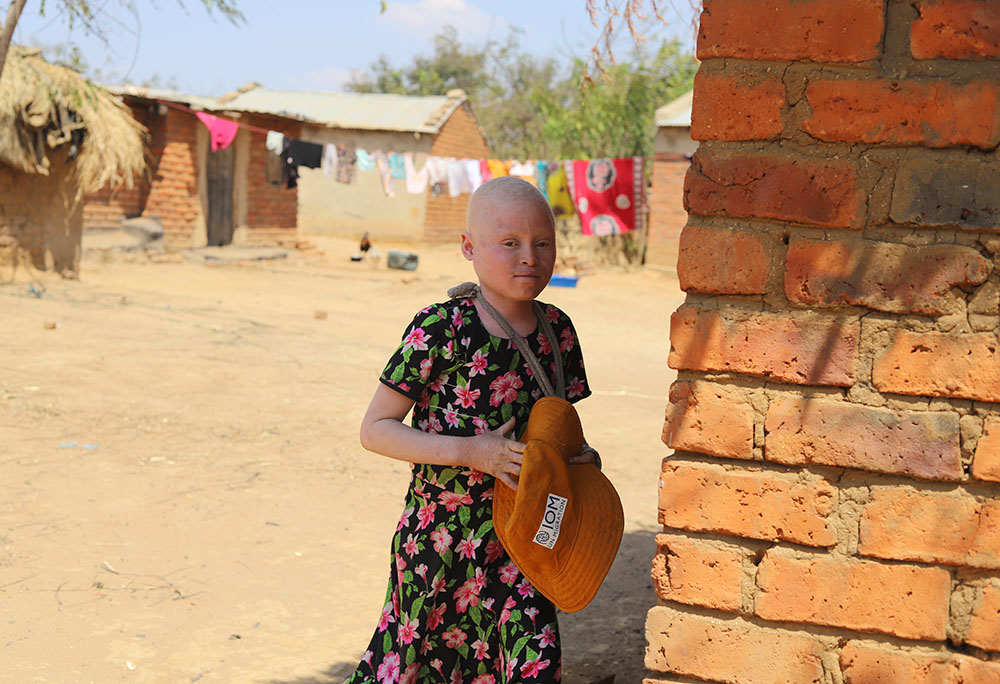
{"x":602,"y":643}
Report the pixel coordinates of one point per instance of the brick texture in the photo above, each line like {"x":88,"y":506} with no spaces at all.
{"x":737,"y":107}
{"x":786,"y":188}
{"x":847,"y":31}
{"x":173,"y":192}
{"x":697,"y":573}
{"x":932,"y":192}
{"x":715,"y":261}
{"x":459,"y":137}
{"x":863,"y":663}
{"x":956,"y":29}
{"x":984,"y":626}
{"x":709,"y":418}
{"x":666,"y":210}
{"x":953,"y":529}
{"x":932,"y":113}
{"x":803,"y":431}
{"x":754,"y":504}
{"x":986,"y":464}
{"x":730,"y":650}
{"x":272,"y":210}
{"x":941,"y":365}
{"x":806,"y":350}
{"x":879,"y":275}
{"x":906,"y":601}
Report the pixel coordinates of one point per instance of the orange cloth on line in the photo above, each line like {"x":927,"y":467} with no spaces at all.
{"x":497,"y":168}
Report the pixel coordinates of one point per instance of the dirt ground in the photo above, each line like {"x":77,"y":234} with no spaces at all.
{"x":182,"y":493}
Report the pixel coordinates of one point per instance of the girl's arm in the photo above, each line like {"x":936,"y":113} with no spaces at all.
{"x":383,"y":431}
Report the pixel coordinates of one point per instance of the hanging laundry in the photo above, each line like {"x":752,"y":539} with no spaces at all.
{"x":303,"y":153}
{"x":497,"y":168}
{"x":329,"y":159}
{"x":437,"y":168}
{"x":274,"y":168}
{"x":396,"y":166}
{"x":416,"y":181}
{"x":289,"y":171}
{"x":484,"y":170}
{"x":220,"y":131}
{"x":458,"y":180}
{"x":604,"y":190}
{"x":542,"y":177}
{"x":525,"y":171}
{"x":473,"y":173}
{"x":366,"y":162}
{"x":275,"y":142}
{"x":382,"y":164}
{"x":558,"y":191}
{"x":346,"y":163}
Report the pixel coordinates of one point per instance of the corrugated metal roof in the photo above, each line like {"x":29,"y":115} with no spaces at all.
{"x":676,"y":113}
{"x":195,"y":101}
{"x":366,"y":111}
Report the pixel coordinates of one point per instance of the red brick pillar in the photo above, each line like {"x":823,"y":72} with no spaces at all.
{"x":831,"y":507}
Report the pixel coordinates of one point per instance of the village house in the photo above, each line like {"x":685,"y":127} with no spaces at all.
{"x":217,"y":198}
{"x":199,"y":196}
{"x":60,"y":136}
{"x":442,"y":126}
{"x":672,"y":150}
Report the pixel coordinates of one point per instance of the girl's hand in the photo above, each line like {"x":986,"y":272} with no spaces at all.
{"x":493,"y":453}
{"x":588,"y":454}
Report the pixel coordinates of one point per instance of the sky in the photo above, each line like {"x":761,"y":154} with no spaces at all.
{"x":310,"y":45}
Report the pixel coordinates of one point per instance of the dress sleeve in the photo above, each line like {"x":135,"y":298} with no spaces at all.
{"x":572,"y":356}
{"x":421,"y":353}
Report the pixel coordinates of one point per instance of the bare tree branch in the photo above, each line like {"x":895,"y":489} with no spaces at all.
{"x":7,"y":31}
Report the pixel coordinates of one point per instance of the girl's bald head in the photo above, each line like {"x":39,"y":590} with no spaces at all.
{"x":505,"y":192}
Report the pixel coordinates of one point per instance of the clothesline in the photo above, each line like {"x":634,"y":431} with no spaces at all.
{"x":605,"y":193}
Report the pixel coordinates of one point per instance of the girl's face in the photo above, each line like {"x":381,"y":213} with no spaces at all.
{"x":513,"y":251}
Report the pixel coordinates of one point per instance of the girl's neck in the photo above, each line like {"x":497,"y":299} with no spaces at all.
{"x":519,"y":315}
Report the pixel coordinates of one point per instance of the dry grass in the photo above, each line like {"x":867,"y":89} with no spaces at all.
{"x":43,"y":104}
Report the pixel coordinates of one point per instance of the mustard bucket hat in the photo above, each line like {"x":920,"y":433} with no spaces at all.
{"x":563,"y":525}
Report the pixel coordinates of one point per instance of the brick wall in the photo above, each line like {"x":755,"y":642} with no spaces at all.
{"x":173,"y":192}
{"x":272,"y":210}
{"x":41,"y":218}
{"x":106,"y":207}
{"x":831,"y":506}
{"x":459,"y":137}
{"x":666,"y":210}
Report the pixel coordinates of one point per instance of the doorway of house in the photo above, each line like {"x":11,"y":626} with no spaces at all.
{"x":219,"y":226}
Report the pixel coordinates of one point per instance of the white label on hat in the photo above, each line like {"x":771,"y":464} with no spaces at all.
{"x":548,"y":531}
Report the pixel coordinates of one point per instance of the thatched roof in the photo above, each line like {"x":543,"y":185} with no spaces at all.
{"x":44,"y":106}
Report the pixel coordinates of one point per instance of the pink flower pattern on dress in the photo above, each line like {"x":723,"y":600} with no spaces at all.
{"x":454,"y":597}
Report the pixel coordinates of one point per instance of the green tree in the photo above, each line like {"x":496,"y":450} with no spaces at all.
{"x":535,"y":107}
{"x":612,"y":116}
{"x":92,"y":16}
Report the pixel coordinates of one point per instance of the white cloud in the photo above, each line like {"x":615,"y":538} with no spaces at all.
{"x":328,"y":78}
{"x":427,"y":17}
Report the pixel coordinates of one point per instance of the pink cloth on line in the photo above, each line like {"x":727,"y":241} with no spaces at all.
{"x":221,"y":131}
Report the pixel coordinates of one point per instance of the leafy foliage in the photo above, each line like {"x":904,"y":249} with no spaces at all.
{"x":536,"y":107}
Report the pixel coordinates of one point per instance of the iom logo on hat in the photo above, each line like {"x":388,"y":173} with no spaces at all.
{"x":548,"y":531}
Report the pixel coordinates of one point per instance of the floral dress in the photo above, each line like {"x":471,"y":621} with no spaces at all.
{"x":457,"y":610}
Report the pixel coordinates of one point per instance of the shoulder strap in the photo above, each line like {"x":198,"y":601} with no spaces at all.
{"x":472,"y":290}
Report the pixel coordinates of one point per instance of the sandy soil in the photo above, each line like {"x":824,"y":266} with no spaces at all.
{"x":182,"y":493}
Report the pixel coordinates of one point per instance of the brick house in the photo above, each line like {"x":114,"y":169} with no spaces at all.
{"x":55,"y":145}
{"x":672,"y":150}
{"x":201,"y":197}
{"x":831,"y":501}
{"x":441,"y":126}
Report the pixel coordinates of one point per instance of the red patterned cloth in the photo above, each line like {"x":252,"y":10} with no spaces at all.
{"x":605,"y":193}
